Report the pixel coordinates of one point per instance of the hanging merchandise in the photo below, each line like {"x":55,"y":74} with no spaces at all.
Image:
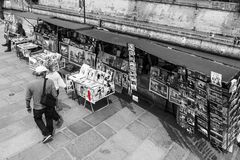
{"x":132,"y":69}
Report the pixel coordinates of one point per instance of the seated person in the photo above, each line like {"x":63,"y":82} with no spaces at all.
{"x":20,"y":31}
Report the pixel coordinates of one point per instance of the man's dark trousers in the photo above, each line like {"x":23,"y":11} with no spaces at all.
{"x":48,"y":128}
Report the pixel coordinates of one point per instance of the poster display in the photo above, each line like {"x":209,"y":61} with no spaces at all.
{"x":186,"y":115}
{"x":132,"y":68}
{"x":93,"y":85}
{"x":158,"y":88}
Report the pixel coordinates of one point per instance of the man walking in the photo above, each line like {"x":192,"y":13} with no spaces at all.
{"x":35,"y":90}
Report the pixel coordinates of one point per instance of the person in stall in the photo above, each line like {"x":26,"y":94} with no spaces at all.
{"x":20,"y":33}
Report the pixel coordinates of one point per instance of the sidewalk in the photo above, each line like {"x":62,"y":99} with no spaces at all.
{"x":120,"y":131}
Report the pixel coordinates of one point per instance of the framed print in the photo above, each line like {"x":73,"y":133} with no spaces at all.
{"x":214,"y":96}
{"x":73,"y":54}
{"x":81,"y":56}
{"x":158,"y":88}
{"x":64,"y":50}
{"x":175,"y":96}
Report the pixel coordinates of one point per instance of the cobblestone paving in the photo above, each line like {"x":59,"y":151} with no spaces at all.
{"x":120,"y":131}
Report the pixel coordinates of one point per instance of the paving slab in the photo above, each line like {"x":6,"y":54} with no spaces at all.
{"x":59,"y":155}
{"x":25,"y":140}
{"x":109,"y":151}
{"x":126,"y":140}
{"x":139,"y":130}
{"x":36,"y":152}
{"x":79,"y":127}
{"x":13,"y":130}
{"x":73,"y":114}
{"x":105,"y":130}
{"x":116,"y":122}
{"x":161,"y":138}
{"x":147,"y":151}
{"x":176,"y":152}
{"x":85,"y":144}
{"x":137,"y":110}
{"x":59,"y":140}
{"x":150,"y":120}
{"x":101,"y":115}
{"x":68,"y":133}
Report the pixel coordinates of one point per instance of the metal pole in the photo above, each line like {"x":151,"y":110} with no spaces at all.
{"x":84,"y":12}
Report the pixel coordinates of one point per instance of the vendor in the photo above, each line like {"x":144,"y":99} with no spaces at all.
{"x":20,"y":32}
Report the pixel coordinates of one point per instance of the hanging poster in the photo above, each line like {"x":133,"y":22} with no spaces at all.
{"x":216,"y":79}
{"x":125,"y":80}
{"x":173,"y":80}
{"x":215,"y":96}
{"x":154,"y":73}
{"x":132,"y":68}
{"x":90,"y":58}
{"x":125,"y":65}
{"x":118,"y":78}
{"x":174,"y":96}
{"x":182,"y":72}
{"x":73,"y":54}
{"x":158,"y":88}
{"x":81,"y":56}
{"x":118,"y":63}
{"x":63,"y":48}
{"x":163,"y":76}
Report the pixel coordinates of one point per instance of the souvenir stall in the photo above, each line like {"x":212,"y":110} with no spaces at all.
{"x":93,"y":85}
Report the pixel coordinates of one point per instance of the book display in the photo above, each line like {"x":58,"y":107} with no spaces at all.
{"x":46,"y":58}
{"x":93,"y":85}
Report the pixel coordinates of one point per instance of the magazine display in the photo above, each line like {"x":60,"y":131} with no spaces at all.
{"x":46,"y":58}
{"x":93,"y":85}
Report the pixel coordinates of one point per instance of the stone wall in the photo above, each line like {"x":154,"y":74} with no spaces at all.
{"x":153,"y":13}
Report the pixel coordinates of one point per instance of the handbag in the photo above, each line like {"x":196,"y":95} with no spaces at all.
{"x":47,"y":99}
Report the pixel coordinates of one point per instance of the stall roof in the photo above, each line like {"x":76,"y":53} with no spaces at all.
{"x":191,"y":61}
{"x":28,"y":15}
{"x":67,"y":24}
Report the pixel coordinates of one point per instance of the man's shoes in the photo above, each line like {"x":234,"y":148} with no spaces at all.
{"x":47,"y":138}
{"x":238,"y":144}
{"x":59,"y":123}
{"x":4,"y":44}
{"x":8,"y":50}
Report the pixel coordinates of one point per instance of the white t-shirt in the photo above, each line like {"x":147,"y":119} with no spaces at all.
{"x":57,"y":79}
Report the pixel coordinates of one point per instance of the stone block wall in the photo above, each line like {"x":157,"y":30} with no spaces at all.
{"x":153,"y":13}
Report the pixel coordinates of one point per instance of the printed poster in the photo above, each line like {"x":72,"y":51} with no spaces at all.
{"x":174,"y":96}
{"x":216,"y":79}
{"x":63,"y":49}
{"x":158,"y":88}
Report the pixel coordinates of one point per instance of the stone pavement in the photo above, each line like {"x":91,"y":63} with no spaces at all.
{"x":120,"y":131}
